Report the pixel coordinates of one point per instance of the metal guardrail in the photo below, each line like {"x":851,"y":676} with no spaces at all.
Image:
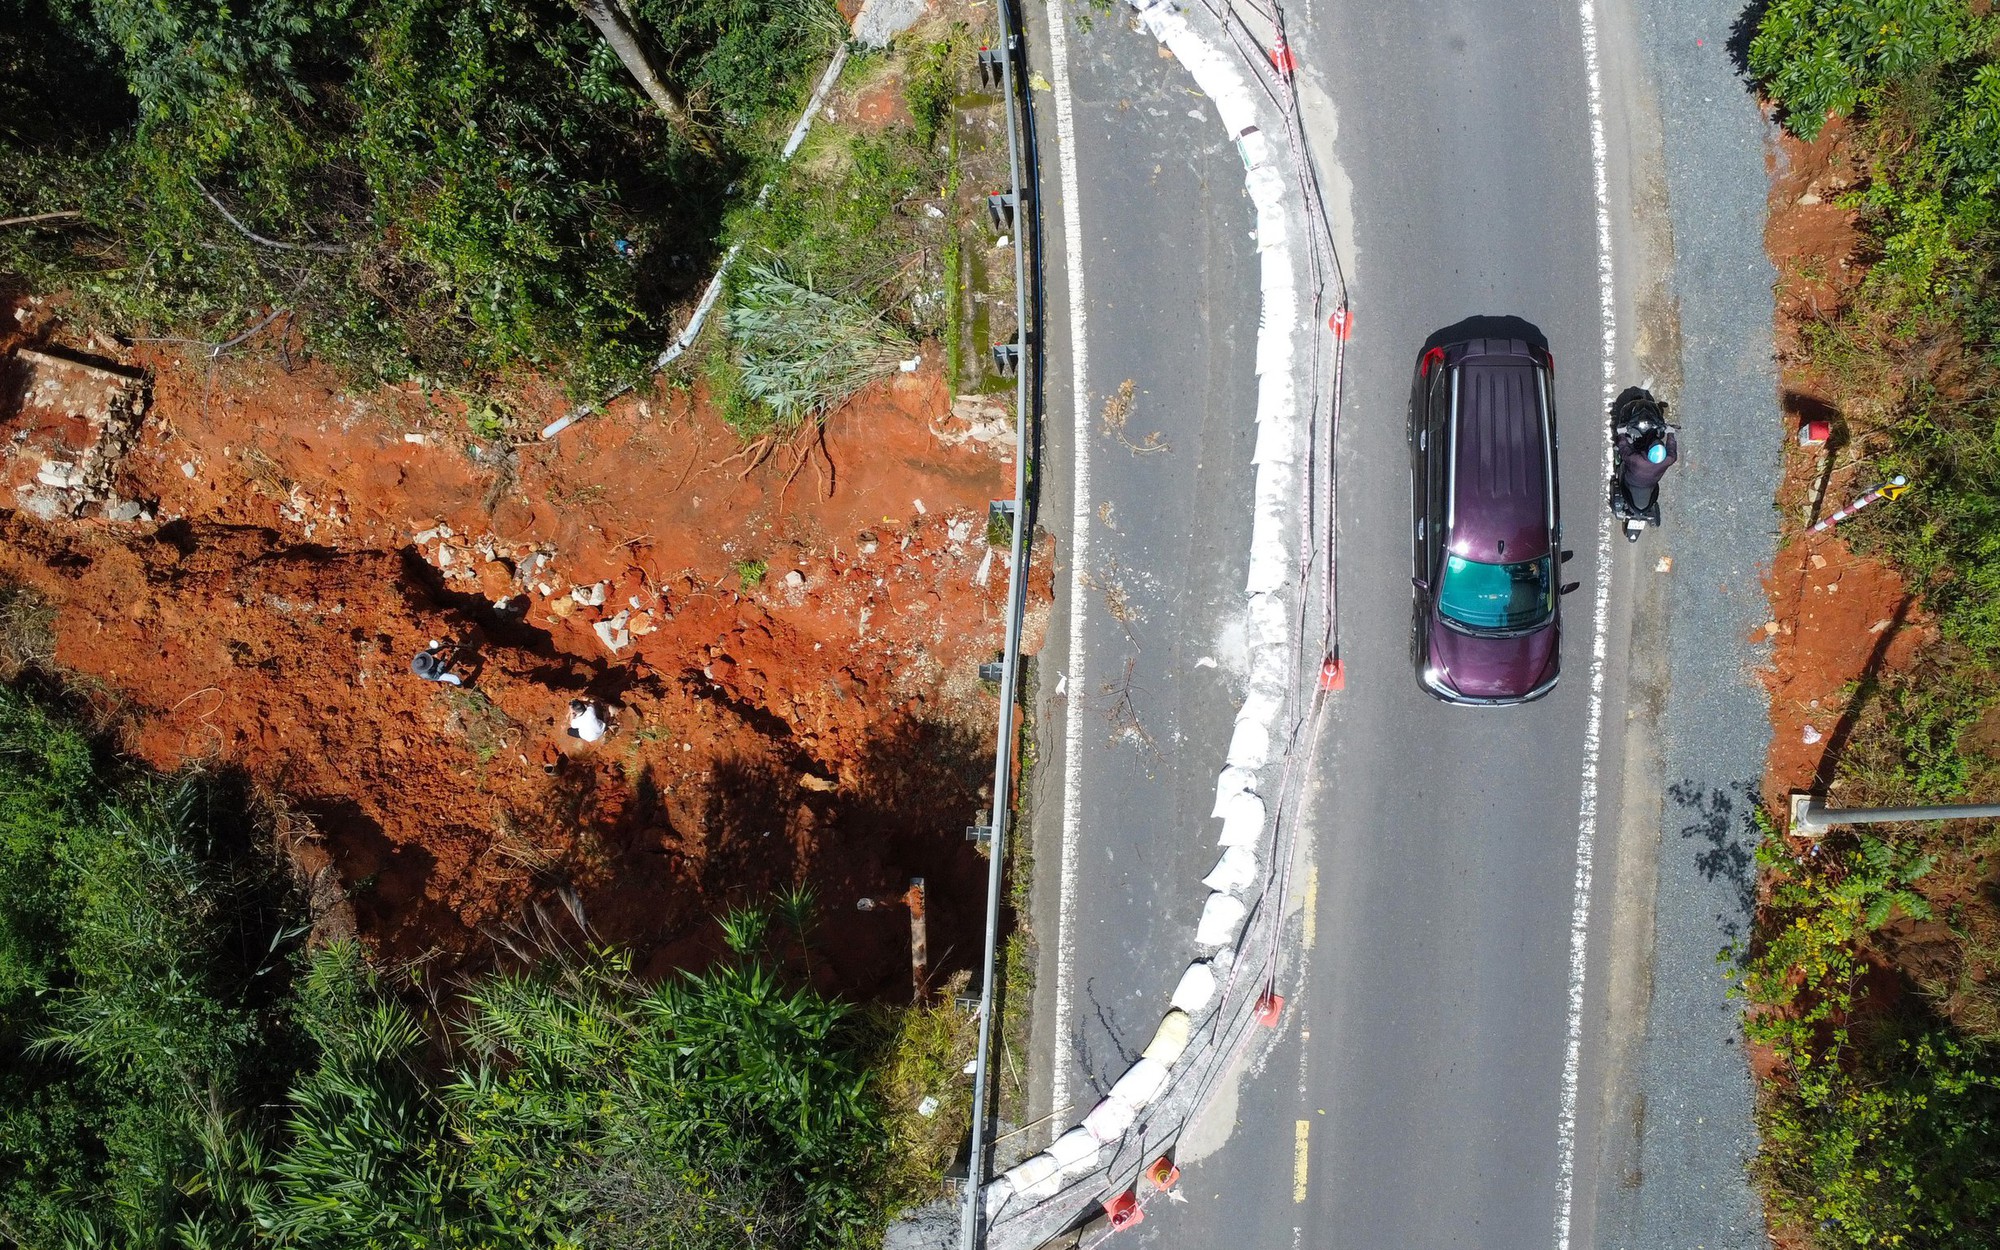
{"x":1026,"y":211}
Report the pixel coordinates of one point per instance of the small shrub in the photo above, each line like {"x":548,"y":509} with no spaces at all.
{"x":750,"y":573}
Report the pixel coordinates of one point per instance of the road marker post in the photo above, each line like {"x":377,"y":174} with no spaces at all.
{"x":1341,"y":323}
{"x":1890,"y":491}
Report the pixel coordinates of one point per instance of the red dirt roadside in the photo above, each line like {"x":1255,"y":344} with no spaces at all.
{"x":1835,"y":616}
{"x":822,"y":726}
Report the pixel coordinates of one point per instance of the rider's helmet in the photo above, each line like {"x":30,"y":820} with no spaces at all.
{"x":1656,"y":453}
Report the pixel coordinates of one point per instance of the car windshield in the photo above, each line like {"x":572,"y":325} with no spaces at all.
{"x":1495,"y":596}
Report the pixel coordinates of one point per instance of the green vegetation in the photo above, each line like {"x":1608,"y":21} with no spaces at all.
{"x":847,"y":260}
{"x":1871,"y":974}
{"x":177,"y":1068}
{"x":436,"y":188}
{"x":750,"y":572}
{"x":1913,"y":349}
{"x":799,"y":352}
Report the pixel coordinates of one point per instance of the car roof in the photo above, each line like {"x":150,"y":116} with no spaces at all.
{"x":1500,"y":478}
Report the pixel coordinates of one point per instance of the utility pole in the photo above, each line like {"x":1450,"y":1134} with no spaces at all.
{"x":1812,"y":818}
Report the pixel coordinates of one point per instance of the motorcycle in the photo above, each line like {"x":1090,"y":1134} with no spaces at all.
{"x":1646,"y":447}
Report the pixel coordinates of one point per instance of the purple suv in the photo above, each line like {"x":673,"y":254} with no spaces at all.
{"x":1487,"y":530}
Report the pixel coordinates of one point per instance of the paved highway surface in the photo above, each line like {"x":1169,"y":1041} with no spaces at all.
{"x":1433,"y":1058}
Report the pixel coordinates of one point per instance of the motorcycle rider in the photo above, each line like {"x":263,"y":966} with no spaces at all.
{"x":1646,"y":448}
{"x":1645,"y":463}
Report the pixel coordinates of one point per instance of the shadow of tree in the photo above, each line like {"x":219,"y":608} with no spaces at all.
{"x":1724,"y":821}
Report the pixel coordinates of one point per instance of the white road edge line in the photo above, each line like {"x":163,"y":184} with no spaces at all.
{"x":1079,"y":360}
{"x":1586,"y":835}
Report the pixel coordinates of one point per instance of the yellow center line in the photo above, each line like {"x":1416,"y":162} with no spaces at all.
{"x":1301,"y":1130}
{"x":1312,"y":906}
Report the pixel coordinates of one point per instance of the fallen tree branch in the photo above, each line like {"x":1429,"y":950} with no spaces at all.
{"x":215,"y":350}
{"x":330,"y":249}
{"x":31,"y":218}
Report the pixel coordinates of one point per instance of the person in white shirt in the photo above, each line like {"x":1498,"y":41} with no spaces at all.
{"x":587,"y":721}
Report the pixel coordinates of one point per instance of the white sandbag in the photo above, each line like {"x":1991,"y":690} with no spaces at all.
{"x":1242,"y":821}
{"x":1032,"y":1171}
{"x":1234,"y":872}
{"x":1170,"y":1040}
{"x":1140,"y":1084}
{"x":1275,"y":442}
{"x":1274,"y":349}
{"x":1250,"y":745}
{"x":1221,"y":917}
{"x":1230,"y":783}
{"x":1196,"y":988}
{"x":1042,"y":1190}
{"x":1074,"y":1149}
{"x":1232,"y":101}
{"x":1253,"y":147}
{"x":1260,"y":707}
{"x":998,"y":1191}
{"x":1269,"y":567}
{"x":1109,"y":1120}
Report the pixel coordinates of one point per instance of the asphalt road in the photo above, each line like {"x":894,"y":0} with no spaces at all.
{"x":1170,"y":308}
{"x":1417,"y":1094}
{"x":1426,"y":1055}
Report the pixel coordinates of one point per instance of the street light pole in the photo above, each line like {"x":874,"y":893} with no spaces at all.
{"x":1811,"y":817}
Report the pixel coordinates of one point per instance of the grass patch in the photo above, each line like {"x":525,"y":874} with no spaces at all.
{"x":750,"y":573}
{"x":922,"y":1052}
{"x":27,"y":631}
{"x":850,"y":259}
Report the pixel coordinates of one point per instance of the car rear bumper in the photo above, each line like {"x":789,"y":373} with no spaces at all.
{"x":1437,"y":689}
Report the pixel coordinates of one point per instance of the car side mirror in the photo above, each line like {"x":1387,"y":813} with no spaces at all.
{"x":1569,"y":586}
{"x":1420,"y":583}
{"x":1568,"y":556}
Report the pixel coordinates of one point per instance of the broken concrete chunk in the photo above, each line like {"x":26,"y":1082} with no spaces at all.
{"x":613,"y":633}
{"x":53,"y":474}
{"x":591,"y":596}
{"x":795,"y":579}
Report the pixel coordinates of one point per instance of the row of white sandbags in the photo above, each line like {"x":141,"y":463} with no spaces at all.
{"x":1236,"y":878}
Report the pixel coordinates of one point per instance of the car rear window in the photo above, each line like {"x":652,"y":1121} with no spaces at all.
{"x":1495,"y":596}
